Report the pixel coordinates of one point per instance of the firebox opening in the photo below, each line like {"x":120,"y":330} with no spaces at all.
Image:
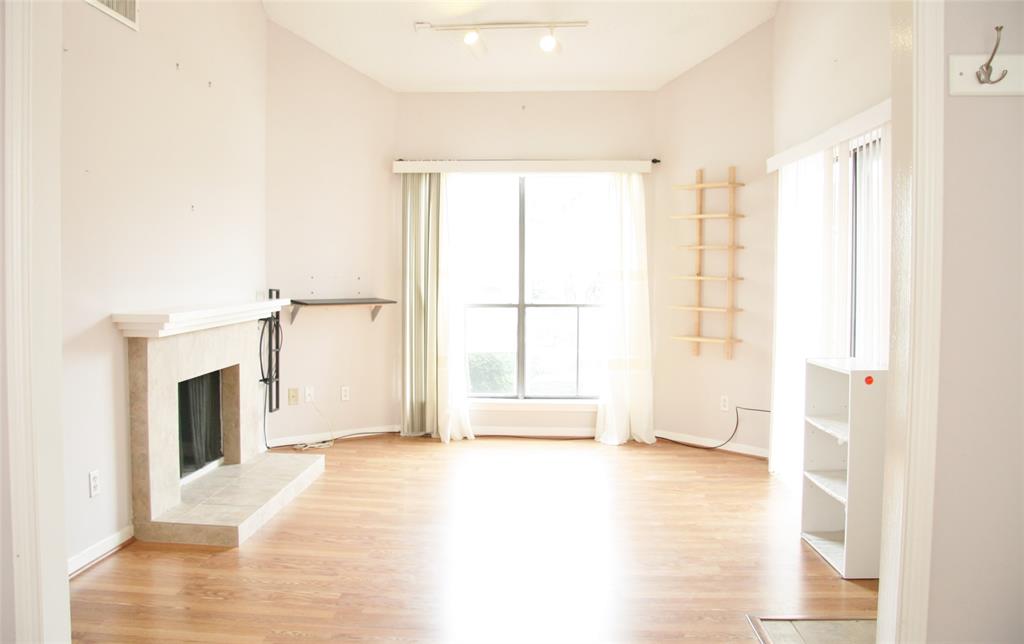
{"x":199,"y":422}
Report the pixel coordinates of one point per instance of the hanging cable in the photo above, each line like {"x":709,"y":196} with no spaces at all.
{"x":266,"y":377}
{"x":735,"y":429}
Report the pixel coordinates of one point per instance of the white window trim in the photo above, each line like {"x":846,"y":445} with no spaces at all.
{"x":870,"y":119}
{"x":534,"y":404}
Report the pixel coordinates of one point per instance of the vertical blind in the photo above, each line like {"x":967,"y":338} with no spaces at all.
{"x":870,"y":248}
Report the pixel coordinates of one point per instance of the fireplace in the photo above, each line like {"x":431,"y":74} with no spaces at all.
{"x":200,"y":442}
{"x":196,"y":399}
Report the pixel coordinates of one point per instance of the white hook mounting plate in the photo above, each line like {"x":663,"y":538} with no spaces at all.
{"x":963,"y":82}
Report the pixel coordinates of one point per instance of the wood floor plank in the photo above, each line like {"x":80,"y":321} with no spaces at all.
{"x":487,"y":541}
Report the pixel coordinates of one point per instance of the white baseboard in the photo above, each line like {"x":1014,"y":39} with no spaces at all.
{"x":98,"y":549}
{"x":525,"y":432}
{"x":737,"y":448}
{"x":533,"y":432}
{"x":326,"y":436}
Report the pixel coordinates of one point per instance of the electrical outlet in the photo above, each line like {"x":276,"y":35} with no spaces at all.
{"x":94,"y":483}
{"x":293,"y":396}
{"x":346,"y":394}
{"x":723,"y":403}
{"x":309,"y":394}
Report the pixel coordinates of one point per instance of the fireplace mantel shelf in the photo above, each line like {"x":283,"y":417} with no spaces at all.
{"x":161,"y":324}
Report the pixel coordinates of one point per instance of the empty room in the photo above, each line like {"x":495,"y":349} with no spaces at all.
{"x":512,"y":322}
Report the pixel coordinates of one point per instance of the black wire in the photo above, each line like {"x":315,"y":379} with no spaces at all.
{"x":735,"y":429}
{"x":263,"y":328}
{"x":266,"y":383}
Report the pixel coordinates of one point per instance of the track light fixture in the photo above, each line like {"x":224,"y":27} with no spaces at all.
{"x":548,"y":42}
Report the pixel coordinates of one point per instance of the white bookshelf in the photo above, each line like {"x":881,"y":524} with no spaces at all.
{"x":843,"y":450}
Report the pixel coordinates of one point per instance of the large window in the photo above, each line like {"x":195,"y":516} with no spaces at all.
{"x":533,"y":316}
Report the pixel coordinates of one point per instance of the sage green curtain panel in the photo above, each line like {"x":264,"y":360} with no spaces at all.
{"x":421,"y":201}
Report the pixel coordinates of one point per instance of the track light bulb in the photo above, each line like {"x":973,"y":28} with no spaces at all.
{"x":548,"y":42}
{"x":471,"y":37}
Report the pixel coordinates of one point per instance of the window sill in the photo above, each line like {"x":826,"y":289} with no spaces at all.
{"x":534,"y":404}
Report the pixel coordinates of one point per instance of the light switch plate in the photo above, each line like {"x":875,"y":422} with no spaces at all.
{"x":963,"y":82}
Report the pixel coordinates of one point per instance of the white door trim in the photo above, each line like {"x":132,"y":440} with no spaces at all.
{"x":21,"y":448}
{"x":31,"y":332}
{"x":925,"y":333}
{"x":903,"y":597}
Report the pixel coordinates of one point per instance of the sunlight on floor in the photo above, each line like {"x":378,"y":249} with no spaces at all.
{"x":530,"y":535}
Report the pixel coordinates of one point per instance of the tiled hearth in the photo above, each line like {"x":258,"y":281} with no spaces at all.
{"x":227,"y":504}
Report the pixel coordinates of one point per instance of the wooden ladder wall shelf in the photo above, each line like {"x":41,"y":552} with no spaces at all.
{"x":699,"y":279}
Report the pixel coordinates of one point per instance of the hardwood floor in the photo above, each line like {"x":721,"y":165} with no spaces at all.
{"x":486,"y":541}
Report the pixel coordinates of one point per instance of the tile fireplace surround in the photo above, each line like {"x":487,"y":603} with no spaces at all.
{"x":226,"y":505}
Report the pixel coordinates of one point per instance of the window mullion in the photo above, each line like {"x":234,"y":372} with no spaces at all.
{"x":577,"y":350}
{"x":854,"y":207}
{"x":521,"y":340}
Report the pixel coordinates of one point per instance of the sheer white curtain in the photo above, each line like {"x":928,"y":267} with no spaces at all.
{"x":832,"y":274}
{"x":421,"y":198}
{"x":434,"y":374}
{"x":802,"y":249}
{"x":626,"y":408}
{"x":453,"y":421}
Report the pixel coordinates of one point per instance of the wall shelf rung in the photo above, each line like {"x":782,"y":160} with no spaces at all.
{"x":706,"y":247}
{"x":720,"y":215}
{"x":706,"y":309}
{"x":705,"y":340}
{"x":706,"y":278}
{"x":708,"y":186}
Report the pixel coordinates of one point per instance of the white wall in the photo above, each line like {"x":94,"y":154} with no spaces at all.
{"x":977,"y":576}
{"x":715,"y":115}
{"x":164,"y":204}
{"x":531,"y":125}
{"x":333,"y":230}
{"x":831,"y":61}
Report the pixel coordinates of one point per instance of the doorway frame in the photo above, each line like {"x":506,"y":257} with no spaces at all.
{"x":30,"y":334}
{"x":918,"y":37}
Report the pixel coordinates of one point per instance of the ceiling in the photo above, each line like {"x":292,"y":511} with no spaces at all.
{"x":628,"y":45}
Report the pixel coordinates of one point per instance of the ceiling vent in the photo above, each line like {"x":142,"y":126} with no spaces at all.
{"x":124,"y":11}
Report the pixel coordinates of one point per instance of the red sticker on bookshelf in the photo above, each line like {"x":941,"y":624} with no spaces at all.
{"x":870,"y":380}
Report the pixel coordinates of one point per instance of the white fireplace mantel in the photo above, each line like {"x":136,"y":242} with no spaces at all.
{"x":161,"y":324}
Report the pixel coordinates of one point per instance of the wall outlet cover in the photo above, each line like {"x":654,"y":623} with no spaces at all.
{"x":309,"y":394}
{"x":346,"y":394}
{"x":94,"y":483}
{"x":723,"y":403}
{"x":293,"y":396}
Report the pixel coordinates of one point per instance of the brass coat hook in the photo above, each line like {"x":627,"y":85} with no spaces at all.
{"x":984,"y":72}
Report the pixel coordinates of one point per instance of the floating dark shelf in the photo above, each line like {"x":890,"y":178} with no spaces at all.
{"x":374,"y":302}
